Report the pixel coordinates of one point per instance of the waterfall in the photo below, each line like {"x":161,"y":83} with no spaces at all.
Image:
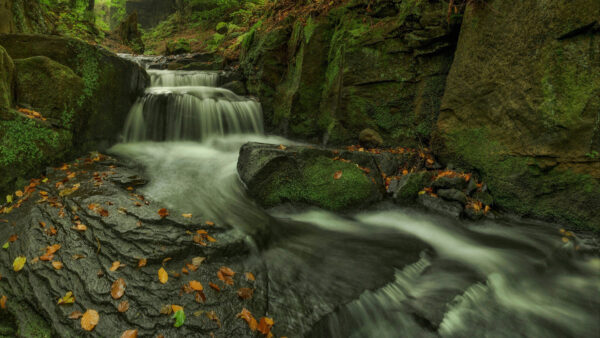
{"x":188,"y":105}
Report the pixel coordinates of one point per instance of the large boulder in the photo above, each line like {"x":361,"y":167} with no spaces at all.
{"x":7,"y":74}
{"x":110,"y":84}
{"x":522,"y":106}
{"x":326,"y":79}
{"x":52,"y":88}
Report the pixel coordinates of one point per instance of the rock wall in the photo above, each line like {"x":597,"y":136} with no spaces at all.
{"x":522,"y":106}
{"x":358,"y":66}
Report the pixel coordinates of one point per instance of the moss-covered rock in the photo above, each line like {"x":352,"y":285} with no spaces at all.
{"x":51,"y":88}
{"x":7,"y":75}
{"x":306,"y":176}
{"x":527,"y":127}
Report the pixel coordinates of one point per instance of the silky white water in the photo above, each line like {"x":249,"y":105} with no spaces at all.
{"x":387,"y":272}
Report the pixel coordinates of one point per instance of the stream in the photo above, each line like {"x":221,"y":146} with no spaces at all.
{"x":383,"y":272}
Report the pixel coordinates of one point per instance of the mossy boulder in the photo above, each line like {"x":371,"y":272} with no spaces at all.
{"x":180,"y":46}
{"x":110,"y":84}
{"x":307,"y":176}
{"x":526,"y":121}
{"x":7,"y":75}
{"x":52,"y":88}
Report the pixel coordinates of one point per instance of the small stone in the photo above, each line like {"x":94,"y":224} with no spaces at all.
{"x":452,"y":209}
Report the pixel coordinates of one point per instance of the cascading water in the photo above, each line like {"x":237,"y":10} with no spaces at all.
{"x":388,"y":272}
{"x":187,"y":105}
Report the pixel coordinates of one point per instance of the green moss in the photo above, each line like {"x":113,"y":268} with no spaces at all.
{"x":412,"y":184}
{"x":524,"y":185}
{"x":315,"y":185}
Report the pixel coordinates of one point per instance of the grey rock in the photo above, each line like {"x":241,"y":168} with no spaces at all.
{"x":453,"y":195}
{"x":447,"y":182}
{"x":436,"y":204}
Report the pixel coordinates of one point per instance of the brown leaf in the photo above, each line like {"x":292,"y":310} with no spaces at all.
{"x":337,"y":175}
{"x":3,"y":302}
{"x":166,"y":310}
{"x":214,"y":286}
{"x":142,"y":262}
{"x":75,"y":315}
{"x":200,"y":297}
{"x":123,"y":306}
{"x":130,"y":334}
{"x":163,"y":276}
{"x":163,"y":213}
{"x":247,"y":316}
{"x":227,"y":271}
{"x":116,"y":265}
{"x":213,"y":316}
{"x":13,"y":238}
{"x":89,"y":320}
{"x":118,"y":288}
{"x":245,"y":293}
{"x":250,"y":276}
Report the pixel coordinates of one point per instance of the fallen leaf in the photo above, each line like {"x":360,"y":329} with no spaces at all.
{"x":3,"y":302}
{"x":42,"y":224}
{"x":57,"y":265}
{"x":179,"y":317}
{"x":142,"y":262}
{"x":163,"y":276}
{"x":19,"y":262}
{"x":19,"y":193}
{"x":213,"y":316}
{"x":118,"y":288}
{"x":247,"y":316}
{"x":200,"y":297}
{"x":214,"y":286}
{"x":6,"y":245}
{"x":13,"y":238}
{"x":75,"y":315}
{"x":265,"y":325}
{"x":187,"y":215}
{"x":163,"y":213}
{"x":166,"y":310}
{"x":209,"y":223}
{"x":245,"y":293}
{"x":68,"y":298}
{"x":337,"y":175}
{"x":79,"y":227}
{"x":250,"y":276}
{"x":195,"y":285}
{"x":116,"y":265}
{"x":282,"y":147}
{"x":130,"y":334}
{"x":89,"y":320}
{"x":227,"y":271}
{"x":176,"y":308}
{"x":123,"y":306}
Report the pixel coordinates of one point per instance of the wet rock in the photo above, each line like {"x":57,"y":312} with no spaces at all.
{"x":449,"y":182}
{"x":237,"y":87}
{"x":436,"y":204}
{"x":369,"y":138}
{"x":471,"y":187}
{"x":473,"y":214}
{"x":484,"y":197}
{"x":453,"y":195}
{"x":7,"y":79}
{"x":202,"y":66}
{"x":406,"y":190}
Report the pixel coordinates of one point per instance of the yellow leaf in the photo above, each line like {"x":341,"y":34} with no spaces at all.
{"x":187,"y":215}
{"x":163,"y":276}
{"x":9,"y":199}
{"x":19,"y":263}
{"x":89,"y":320}
{"x":67,"y":299}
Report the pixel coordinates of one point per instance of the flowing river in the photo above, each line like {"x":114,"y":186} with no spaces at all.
{"x":384,"y":272}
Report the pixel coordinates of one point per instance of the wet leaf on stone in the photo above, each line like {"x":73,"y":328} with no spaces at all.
{"x":200,"y":297}
{"x":142,"y":262}
{"x":196,"y":286}
{"x":75,"y":315}
{"x":19,"y":263}
{"x":248,"y":318}
{"x":13,"y":238}
{"x":6,"y":245}
{"x":245,"y":293}
{"x":265,"y":325}
{"x":3,"y":302}
{"x":123,"y":306}
{"x":213,"y":316}
{"x":179,"y":317}
{"x":130,"y":334}
{"x":163,"y":213}
{"x":214,"y":286}
{"x":68,"y":298}
{"x":163,"y":276}
{"x":89,"y":320}
{"x":250,"y":276}
{"x":187,"y":215}
{"x":57,"y":265}
{"x":116,"y":265}
{"x":117,"y":289}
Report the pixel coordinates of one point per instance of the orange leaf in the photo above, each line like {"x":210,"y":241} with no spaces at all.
{"x":265,"y":325}
{"x":13,"y":238}
{"x":209,"y":223}
{"x":142,"y":262}
{"x":115,"y":265}
{"x":163,"y":213}
{"x":118,"y":288}
{"x":176,"y":308}
{"x":214,"y":286}
{"x":195,"y":285}
{"x":79,"y":227}
{"x":57,"y":265}
{"x":250,"y":276}
{"x":130,"y":334}
{"x":337,"y":175}
{"x":53,"y":248}
{"x":89,"y":320}
{"x":247,"y":316}
{"x":3,"y":302}
{"x":123,"y":306}
{"x":227,"y":271}
{"x":163,"y":276}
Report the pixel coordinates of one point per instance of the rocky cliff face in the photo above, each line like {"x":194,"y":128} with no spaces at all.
{"x":516,"y":101}
{"x":327,"y":78}
{"x":522,"y":106}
